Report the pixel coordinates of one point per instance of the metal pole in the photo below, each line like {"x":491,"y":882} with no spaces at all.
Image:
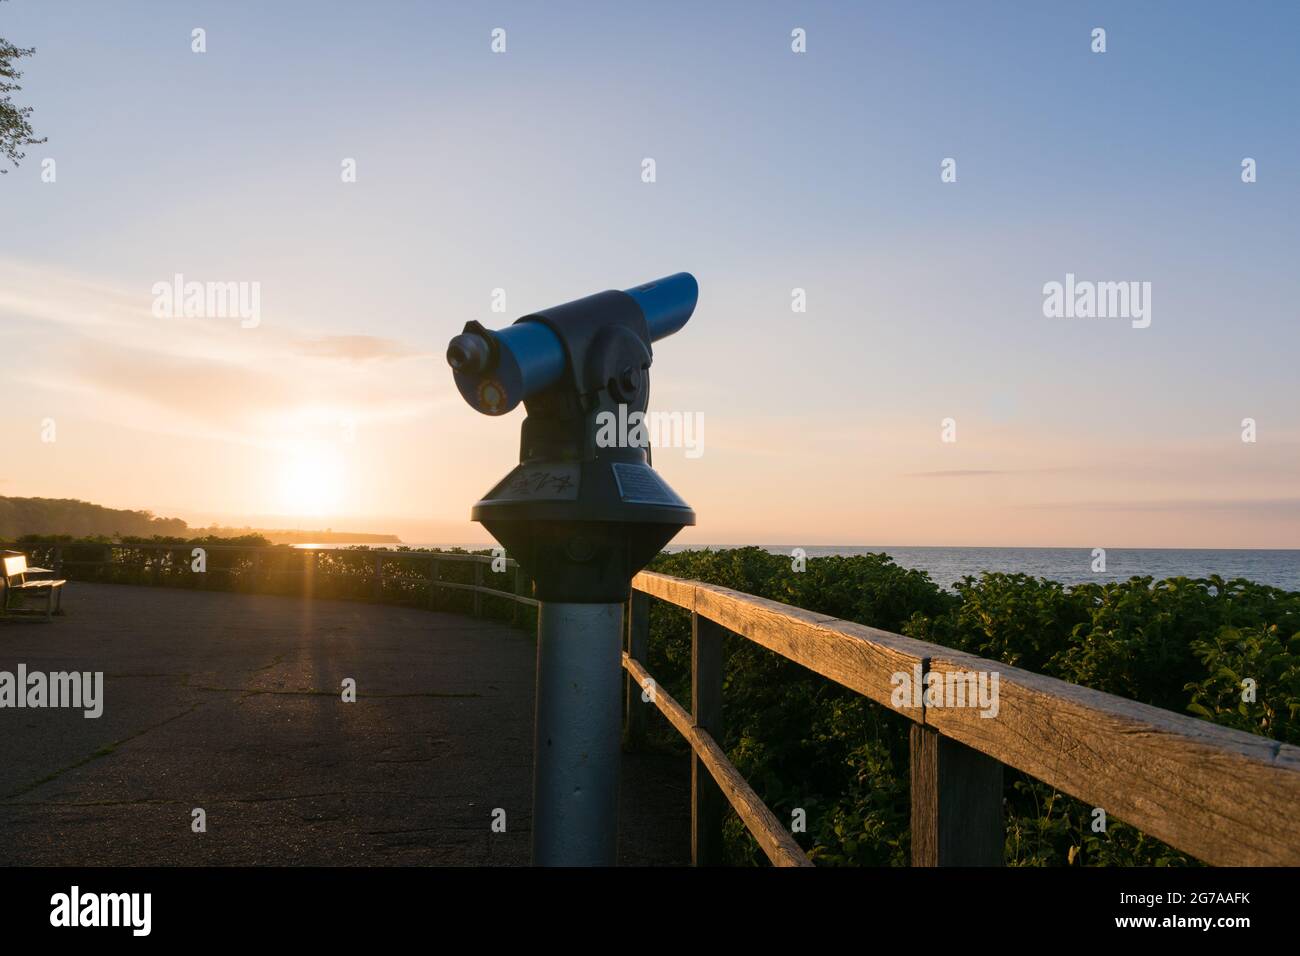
{"x":577,"y":736}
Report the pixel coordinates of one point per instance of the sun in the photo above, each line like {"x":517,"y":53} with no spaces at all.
{"x":311,"y":479}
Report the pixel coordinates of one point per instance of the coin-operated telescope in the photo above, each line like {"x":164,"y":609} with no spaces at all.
{"x":581,"y":515}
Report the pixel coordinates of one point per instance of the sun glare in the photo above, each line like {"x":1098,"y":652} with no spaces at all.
{"x":311,"y":480}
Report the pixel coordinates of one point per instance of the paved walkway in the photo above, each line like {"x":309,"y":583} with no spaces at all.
{"x":231,"y":703}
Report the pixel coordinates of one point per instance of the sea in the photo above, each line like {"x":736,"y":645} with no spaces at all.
{"x":1279,"y":568}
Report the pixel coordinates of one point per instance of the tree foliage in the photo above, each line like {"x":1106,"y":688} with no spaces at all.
{"x":15,"y":127}
{"x":68,"y":516}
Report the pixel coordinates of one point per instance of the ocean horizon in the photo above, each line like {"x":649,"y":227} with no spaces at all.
{"x":1276,"y":567}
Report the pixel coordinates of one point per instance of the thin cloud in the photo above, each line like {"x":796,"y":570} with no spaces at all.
{"x":355,"y":348}
{"x":1272,"y":506}
{"x":956,"y":473}
{"x":201,"y":377}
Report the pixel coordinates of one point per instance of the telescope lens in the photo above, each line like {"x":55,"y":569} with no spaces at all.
{"x":468,"y":353}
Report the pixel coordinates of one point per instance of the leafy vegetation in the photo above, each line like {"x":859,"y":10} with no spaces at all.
{"x":347,"y":573}
{"x":46,"y":516}
{"x":801,"y":741}
{"x":15,"y":125}
{"x":68,"y":516}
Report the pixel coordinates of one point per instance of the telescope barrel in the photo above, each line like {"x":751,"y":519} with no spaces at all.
{"x":495,"y":374}
{"x":667,"y":303}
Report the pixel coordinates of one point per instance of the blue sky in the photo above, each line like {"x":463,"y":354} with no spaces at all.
{"x":775,"y":170}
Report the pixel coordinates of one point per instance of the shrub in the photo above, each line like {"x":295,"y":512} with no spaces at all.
{"x":804,"y":742}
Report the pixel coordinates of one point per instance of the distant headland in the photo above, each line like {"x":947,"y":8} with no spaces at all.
{"x":57,"y":516}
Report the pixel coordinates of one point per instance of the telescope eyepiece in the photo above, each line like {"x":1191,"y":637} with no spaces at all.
{"x":469,"y":353}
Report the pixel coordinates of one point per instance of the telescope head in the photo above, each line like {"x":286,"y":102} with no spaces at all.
{"x":581,"y":514}
{"x":496,"y":370}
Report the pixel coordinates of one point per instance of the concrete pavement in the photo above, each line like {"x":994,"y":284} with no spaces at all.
{"x":232,"y":703}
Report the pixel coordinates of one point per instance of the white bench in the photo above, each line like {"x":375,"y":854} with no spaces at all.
{"x":18,"y":578}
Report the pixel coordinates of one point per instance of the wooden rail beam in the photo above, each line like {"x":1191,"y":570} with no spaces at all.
{"x":774,"y":840}
{"x":863,"y":659}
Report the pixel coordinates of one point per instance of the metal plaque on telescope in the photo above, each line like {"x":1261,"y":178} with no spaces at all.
{"x":640,"y":484}
{"x":553,"y":482}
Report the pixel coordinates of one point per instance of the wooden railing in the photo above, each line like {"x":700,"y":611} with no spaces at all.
{"x":1223,"y":796}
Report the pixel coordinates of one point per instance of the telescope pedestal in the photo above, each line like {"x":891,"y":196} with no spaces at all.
{"x":578,"y":736}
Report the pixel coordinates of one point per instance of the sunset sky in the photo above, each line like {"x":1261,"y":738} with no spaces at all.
{"x":775,"y":171}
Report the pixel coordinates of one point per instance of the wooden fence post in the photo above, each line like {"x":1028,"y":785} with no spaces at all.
{"x":433,"y":582}
{"x":478,"y":582}
{"x":638,"y":645}
{"x":707,"y":802}
{"x":521,"y":588}
{"x":956,"y":803}
{"x":58,"y":560}
{"x":379,"y":577}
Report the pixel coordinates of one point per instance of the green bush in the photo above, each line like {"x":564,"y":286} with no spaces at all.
{"x":346,"y":573}
{"x":1261,"y":654}
{"x":805,"y":742}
